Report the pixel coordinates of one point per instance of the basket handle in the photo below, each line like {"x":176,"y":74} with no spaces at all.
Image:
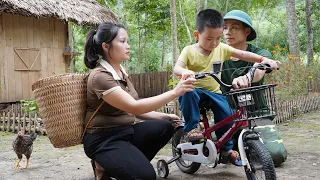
{"x":85,"y":129}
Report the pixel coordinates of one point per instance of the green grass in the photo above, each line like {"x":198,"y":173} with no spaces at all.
{"x":6,"y":133}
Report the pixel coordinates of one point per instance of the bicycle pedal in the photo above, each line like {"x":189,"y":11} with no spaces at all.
{"x":197,"y":141}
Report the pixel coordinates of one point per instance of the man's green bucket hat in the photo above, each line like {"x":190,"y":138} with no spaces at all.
{"x":243,"y":17}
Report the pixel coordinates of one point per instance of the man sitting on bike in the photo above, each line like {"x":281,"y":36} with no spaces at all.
{"x":237,"y":31}
{"x":199,"y":57}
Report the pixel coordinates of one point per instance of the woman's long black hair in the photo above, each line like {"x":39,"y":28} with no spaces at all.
{"x":105,"y":33}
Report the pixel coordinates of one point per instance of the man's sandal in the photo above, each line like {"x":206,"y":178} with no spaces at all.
{"x":233,"y":157}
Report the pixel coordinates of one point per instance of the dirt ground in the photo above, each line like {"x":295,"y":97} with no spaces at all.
{"x":301,"y":137}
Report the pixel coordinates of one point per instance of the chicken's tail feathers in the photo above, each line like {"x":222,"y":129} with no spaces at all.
{"x":33,"y":136}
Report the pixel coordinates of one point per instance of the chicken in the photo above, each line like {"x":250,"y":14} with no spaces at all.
{"x":23,"y":144}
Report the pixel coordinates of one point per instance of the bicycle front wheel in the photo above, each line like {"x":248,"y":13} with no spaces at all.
{"x":260,"y":161}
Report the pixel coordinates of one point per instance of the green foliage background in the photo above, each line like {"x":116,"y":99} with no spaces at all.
{"x":148,"y":21}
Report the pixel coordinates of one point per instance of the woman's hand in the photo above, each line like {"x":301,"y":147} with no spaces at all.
{"x":172,"y":117}
{"x":273,"y":64}
{"x":185,"y":85}
{"x":153,"y":115}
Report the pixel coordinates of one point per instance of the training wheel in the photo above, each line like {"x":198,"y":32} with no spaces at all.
{"x":162,"y":168}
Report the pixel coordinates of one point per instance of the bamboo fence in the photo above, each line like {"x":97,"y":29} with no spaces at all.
{"x":14,"y":120}
{"x":301,"y":104}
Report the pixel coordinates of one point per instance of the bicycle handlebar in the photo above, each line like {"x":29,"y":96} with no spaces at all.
{"x":201,"y":75}
{"x":260,"y":66}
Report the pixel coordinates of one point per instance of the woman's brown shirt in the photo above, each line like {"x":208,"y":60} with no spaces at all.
{"x":101,"y":81}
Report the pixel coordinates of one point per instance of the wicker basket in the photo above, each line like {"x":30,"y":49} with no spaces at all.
{"x":62,"y":104}
{"x":259,"y":102}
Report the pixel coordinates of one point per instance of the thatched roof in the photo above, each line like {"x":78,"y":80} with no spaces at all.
{"x":80,"y":11}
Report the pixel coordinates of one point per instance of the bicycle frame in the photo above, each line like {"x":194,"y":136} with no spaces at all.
{"x":227,"y":135}
{"x":243,"y":107}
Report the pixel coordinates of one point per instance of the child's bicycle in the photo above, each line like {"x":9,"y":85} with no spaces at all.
{"x":244,"y":104}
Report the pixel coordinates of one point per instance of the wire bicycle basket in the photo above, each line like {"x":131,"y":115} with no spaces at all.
{"x":256,"y":102}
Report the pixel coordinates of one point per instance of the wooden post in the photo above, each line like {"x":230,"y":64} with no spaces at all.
{"x":24,"y":123}
{"x":314,"y":103}
{"x":35,"y":123}
{"x":14,"y":123}
{"x":19,"y":124}
{"x":3,"y":117}
{"x":29,"y":125}
{"x":311,"y":102}
{"x":40,"y":128}
{"x":8,"y":122}
{"x":278,"y":117}
{"x":308,"y":103}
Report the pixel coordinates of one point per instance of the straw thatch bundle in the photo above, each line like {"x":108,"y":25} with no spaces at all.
{"x":84,"y":12}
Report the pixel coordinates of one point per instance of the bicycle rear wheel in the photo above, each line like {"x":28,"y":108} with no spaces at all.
{"x":260,"y":161}
{"x":185,"y":166}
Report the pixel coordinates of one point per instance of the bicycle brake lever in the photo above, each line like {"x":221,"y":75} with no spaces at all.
{"x":266,"y":67}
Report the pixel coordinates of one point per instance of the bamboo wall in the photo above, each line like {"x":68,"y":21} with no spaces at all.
{"x":30,"y":49}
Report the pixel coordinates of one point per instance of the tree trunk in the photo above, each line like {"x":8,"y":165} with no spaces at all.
{"x":163,"y":49}
{"x":145,"y":44}
{"x":259,"y":21}
{"x":107,"y":4}
{"x":126,"y":64}
{"x":309,"y":31}
{"x":294,"y":47}
{"x":198,"y":6}
{"x":227,"y":4}
{"x":139,"y":46}
{"x":173,"y":12}
{"x":184,"y":21}
{"x":119,"y":7}
{"x":205,"y":6}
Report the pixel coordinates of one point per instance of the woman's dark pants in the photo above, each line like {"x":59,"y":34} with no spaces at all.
{"x":125,"y":152}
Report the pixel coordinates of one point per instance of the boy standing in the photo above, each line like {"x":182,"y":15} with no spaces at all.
{"x":199,"y":57}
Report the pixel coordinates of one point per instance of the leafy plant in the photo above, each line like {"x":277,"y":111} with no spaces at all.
{"x":172,"y":82}
{"x":295,"y":76}
{"x":29,"y":106}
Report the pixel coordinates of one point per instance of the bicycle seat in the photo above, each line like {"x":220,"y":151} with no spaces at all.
{"x":206,"y":105}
